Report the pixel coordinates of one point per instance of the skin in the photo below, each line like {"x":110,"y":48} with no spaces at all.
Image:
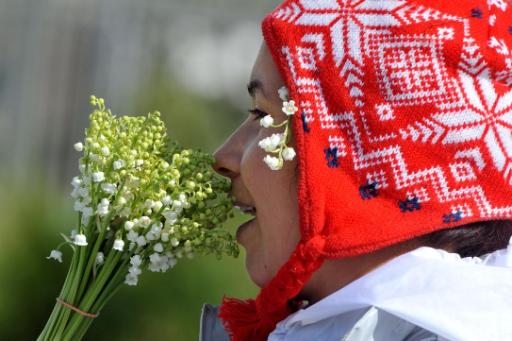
{"x":271,"y":237}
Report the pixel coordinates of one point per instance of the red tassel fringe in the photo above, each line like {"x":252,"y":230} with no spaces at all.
{"x":242,"y":320}
{"x":254,"y":320}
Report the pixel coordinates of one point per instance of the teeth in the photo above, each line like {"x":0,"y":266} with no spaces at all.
{"x":247,"y":209}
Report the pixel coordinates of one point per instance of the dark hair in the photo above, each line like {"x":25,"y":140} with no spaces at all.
{"x":475,"y":239}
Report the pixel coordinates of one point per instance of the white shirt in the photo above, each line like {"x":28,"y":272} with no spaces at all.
{"x":456,"y":298}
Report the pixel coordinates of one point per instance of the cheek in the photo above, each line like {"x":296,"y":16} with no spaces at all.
{"x":253,"y":170}
{"x":276,"y":232}
{"x":274,"y":192}
{"x":265,"y":186}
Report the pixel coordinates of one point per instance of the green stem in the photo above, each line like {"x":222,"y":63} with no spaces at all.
{"x":280,"y":124}
{"x":112,"y":288}
{"x":70,"y":296}
{"x":92,"y":293}
{"x":92,"y":259}
{"x":116,"y":280}
{"x":61,"y":310}
{"x":53,"y":319}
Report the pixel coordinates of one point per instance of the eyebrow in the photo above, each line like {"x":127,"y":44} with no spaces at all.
{"x":254,"y":85}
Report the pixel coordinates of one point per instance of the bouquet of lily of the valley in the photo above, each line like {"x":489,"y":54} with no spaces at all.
{"x":142,"y":203}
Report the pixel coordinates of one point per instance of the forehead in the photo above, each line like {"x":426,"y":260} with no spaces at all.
{"x":267,"y":73}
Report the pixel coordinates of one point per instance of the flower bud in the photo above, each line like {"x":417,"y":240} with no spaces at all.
{"x":100,"y":258}
{"x":149,"y":203}
{"x":144,"y":221}
{"x":128,"y":225}
{"x":166,"y":200}
{"x":157,"y":205}
{"x":165,"y":237}
{"x":78,"y":146}
{"x":158,"y":247}
{"x":76,"y":182}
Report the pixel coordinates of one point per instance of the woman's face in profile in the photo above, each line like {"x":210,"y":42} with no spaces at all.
{"x":272,"y":235}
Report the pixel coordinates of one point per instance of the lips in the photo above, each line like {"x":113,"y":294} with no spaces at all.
{"x":242,"y":228}
{"x":245,"y":208}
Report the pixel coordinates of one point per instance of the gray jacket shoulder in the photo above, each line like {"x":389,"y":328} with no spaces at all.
{"x":420,"y":334}
{"x":374,"y":325}
{"x":378,"y":325}
{"x":211,"y":328}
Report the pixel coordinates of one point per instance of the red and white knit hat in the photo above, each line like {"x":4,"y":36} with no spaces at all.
{"x":404,"y":128}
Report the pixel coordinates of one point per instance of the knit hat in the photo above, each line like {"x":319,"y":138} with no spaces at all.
{"x":404,"y":128}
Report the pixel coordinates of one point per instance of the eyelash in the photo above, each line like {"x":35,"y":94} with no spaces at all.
{"x":258,"y":113}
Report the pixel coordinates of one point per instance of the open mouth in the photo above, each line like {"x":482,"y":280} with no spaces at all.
{"x":246,"y":209}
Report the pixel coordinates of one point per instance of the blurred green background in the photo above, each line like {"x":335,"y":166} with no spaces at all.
{"x":188,"y":59}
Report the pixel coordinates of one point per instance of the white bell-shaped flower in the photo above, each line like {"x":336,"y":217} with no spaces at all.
{"x":135,"y":260}
{"x":267,"y":121}
{"x":76,"y":182}
{"x":288,"y":153}
{"x":272,"y":162}
{"x":55,"y":254}
{"x":158,"y":247}
{"x":118,"y":245}
{"x":289,"y":108}
{"x":131,"y":279}
{"x":109,"y":188}
{"x":80,"y":240}
{"x":283,"y":93}
{"x":118,"y":164}
{"x":98,"y":176}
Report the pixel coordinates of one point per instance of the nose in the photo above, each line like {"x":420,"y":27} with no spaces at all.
{"x":228,"y":156}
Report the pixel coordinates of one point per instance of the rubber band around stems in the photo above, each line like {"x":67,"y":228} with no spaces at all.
{"x":75,"y":309}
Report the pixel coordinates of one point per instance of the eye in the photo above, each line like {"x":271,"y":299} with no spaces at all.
{"x":257,"y":113}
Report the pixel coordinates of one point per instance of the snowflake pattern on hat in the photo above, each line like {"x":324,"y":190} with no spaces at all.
{"x":413,"y":76}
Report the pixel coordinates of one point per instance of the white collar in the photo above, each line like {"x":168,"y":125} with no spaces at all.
{"x":457,"y":298}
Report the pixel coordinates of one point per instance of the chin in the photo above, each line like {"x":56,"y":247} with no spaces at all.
{"x":260,"y":278}
{"x":259,"y":283}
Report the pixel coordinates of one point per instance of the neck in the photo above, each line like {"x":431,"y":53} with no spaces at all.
{"x":337,"y":273}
